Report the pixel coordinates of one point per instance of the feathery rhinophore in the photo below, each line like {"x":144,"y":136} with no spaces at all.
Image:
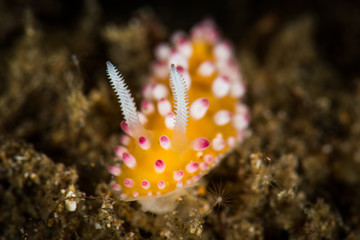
{"x":179,"y":91}
{"x":127,"y":103}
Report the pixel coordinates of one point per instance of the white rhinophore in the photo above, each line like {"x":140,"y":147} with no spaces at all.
{"x":179,"y":140}
{"x":127,"y":103}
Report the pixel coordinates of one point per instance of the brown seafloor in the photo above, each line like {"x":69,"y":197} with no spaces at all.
{"x":296,"y":175}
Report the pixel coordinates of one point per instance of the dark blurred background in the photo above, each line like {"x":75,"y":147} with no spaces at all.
{"x":337,"y":22}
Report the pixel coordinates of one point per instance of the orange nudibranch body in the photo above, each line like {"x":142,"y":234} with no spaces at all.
{"x":150,"y":165}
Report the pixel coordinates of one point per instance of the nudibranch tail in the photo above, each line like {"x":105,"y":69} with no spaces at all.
{"x":178,"y":87}
{"x":127,"y":103}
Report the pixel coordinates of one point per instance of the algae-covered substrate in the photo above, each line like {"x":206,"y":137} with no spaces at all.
{"x":296,"y":175}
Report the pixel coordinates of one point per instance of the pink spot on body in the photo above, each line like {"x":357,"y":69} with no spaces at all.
{"x":205,"y":31}
{"x":208,"y":159}
{"x":178,"y":59}
{"x":206,"y":68}
{"x":144,"y":142}
{"x":223,"y":50}
{"x":159,"y":90}
{"x":147,"y":91}
{"x":116,"y":187}
{"x":221,"y":86}
{"x":178,"y":37}
{"x":241,"y":108}
{"x":142,"y":118}
{"x":184,"y":47}
{"x":231,"y":141}
{"x":170,"y":120}
{"x":159,"y":166}
{"x":203,"y":166}
{"x":135,"y":194}
{"x":161,"y":184}
{"x":237,"y":89}
{"x":162,"y":51}
{"x":119,"y":150}
{"x":178,"y":175}
{"x":128,"y":182}
{"x":160,"y":69}
{"x":192,"y":167}
{"x":200,"y":144}
{"x":125,"y":127}
{"x":179,"y":184}
{"x":114,"y":170}
{"x":129,"y":160}
{"x":180,"y":69}
{"x":222,"y":117}
{"x":218,"y":143}
{"x":165,"y":142}
{"x":199,"y":108}
{"x":196,"y":178}
{"x":147,"y":107}
{"x":145,"y":184}
{"x":125,"y":140}
{"x":164,"y":106}
{"x":241,"y":121}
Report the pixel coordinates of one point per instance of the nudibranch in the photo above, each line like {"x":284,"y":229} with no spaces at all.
{"x":175,"y":139}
